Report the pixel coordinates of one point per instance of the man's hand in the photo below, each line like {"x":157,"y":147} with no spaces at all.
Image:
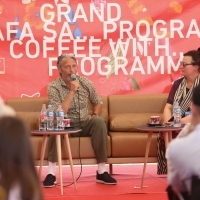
{"x":93,"y":115}
{"x":167,"y":123}
{"x":75,"y":86}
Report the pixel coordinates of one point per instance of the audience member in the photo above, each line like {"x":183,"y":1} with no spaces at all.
{"x":73,"y":95}
{"x":181,"y":92}
{"x":183,"y":153}
{"x":18,"y":177}
{"x":5,"y":110}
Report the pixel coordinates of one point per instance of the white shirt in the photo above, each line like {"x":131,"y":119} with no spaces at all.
{"x":184,"y":131}
{"x":183,"y":156}
{"x":6,"y":110}
{"x":14,"y":193}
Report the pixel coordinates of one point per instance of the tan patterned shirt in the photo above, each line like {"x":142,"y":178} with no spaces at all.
{"x":57,"y":91}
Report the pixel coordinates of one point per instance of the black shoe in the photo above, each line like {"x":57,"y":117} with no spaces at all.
{"x":105,"y":178}
{"x":49,"y":181}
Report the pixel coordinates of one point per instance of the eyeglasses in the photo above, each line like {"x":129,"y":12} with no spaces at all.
{"x":185,"y":64}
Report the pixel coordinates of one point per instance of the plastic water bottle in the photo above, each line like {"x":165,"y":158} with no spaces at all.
{"x":59,"y":118}
{"x":43,"y":118}
{"x":177,"y":115}
{"x":50,"y":117}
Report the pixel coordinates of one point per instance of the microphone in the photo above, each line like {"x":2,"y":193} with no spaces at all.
{"x":73,"y":77}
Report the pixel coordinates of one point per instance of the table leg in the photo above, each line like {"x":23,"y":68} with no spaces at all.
{"x":166,"y":134}
{"x":170,"y":136}
{"x":66,"y":137}
{"x":146,"y":155}
{"x":44,"y":144}
{"x":58,"y":144}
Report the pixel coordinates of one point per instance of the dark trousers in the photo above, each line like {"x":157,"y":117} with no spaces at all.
{"x":95,"y":128}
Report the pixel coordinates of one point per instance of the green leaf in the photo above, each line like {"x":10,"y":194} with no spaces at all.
{"x":135,"y":84}
{"x":112,"y":62}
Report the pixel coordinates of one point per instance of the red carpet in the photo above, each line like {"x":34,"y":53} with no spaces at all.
{"x":114,"y":197}
{"x":128,"y":176}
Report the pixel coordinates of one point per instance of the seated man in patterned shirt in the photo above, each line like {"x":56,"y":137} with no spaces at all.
{"x":73,"y":95}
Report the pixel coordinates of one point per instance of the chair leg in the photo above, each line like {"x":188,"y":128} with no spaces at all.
{"x":111,"y":169}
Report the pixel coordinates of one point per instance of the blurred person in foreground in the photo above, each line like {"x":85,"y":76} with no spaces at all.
{"x":180,"y":92}
{"x":6,"y":110}
{"x":73,"y":95}
{"x":183,"y":153}
{"x":18,"y":177}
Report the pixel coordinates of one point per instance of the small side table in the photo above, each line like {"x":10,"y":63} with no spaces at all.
{"x":150,"y":129}
{"x":57,"y":133}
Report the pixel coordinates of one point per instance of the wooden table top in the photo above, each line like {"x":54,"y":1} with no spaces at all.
{"x":159,"y":129}
{"x":56,"y":132}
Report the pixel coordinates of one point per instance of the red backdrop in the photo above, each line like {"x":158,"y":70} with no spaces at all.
{"x":124,"y":47}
